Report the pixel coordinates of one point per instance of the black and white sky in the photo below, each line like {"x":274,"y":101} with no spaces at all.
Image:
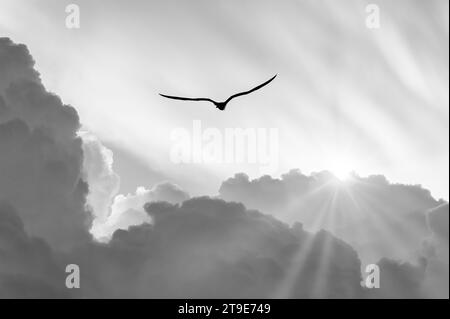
{"x":360,"y":173}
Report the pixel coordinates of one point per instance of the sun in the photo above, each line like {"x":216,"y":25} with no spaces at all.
{"x":341,"y":163}
{"x":341,"y":170}
{"x":341,"y":174}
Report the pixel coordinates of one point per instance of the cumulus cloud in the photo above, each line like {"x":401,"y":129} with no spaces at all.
{"x":385,"y":222}
{"x":211,"y":248}
{"x":379,"y":218}
{"x":112,"y":211}
{"x":202,"y":248}
{"x":41,"y":156}
{"x":438,"y":222}
{"x":103,"y":181}
{"x":400,"y":279}
{"x":128,"y":210}
{"x":27,"y":266}
{"x":436,"y":248}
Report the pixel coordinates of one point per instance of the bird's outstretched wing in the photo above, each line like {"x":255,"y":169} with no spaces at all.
{"x":187,"y":98}
{"x":252,"y":90}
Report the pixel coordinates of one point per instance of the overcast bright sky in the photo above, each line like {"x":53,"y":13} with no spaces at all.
{"x":346,"y":97}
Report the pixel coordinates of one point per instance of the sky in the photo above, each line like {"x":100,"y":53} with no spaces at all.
{"x":347,"y":97}
{"x":347,"y":164}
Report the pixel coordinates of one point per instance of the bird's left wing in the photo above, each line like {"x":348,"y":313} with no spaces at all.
{"x":187,"y":98}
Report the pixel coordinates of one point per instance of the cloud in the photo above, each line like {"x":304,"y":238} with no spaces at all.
{"x":128,"y":210}
{"x":378,"y":218}
{"x":202,"y":248}
{"x":207,"y":247}
{"x":436,"y":248}
{"x":16,"y":64}
{"x":438,"y":221}
{"x":103,"y":181}
{"x":27,"y":268}
{"x":112,"y":211}
{"x":41,"y":156}
{"x":400,"y":279}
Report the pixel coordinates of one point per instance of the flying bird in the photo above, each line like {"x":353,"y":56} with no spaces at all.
{"x":220,"y":105}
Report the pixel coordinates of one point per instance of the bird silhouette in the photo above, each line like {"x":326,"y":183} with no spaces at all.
{"x":220,"y":105}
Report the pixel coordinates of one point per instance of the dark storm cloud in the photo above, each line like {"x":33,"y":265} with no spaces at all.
{"x":41,"y":156}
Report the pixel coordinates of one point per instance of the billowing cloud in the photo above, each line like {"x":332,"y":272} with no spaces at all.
{"x":378,"y":218}
{"x":27,"y":265}
{"x":41,"y":156}
{"x":437,"y":251}
{"x":128,"y":210}
{"x":438,"y":221}
{"x":112,"y":211}
{"x":103,"y":181}
{"x":211,"y":248}
{"x":400,"y":279}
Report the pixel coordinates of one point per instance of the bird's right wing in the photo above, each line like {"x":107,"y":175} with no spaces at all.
{"x":187,"y":98}
{"x":252,"y":90}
